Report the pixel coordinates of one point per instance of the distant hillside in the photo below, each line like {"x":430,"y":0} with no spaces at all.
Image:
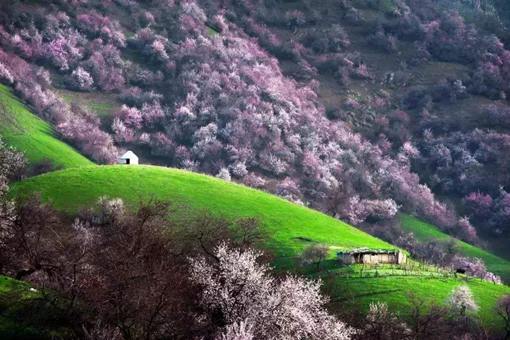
{"x":288,"y":227}
{"x":273,"y":101}
{"x":426,"y":232}
{"x":28,"y":133}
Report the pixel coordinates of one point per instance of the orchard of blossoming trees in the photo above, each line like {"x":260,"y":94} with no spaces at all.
{"x":229,"y":108}
{"x":200,"y":86}
{"x":81,"y":128}
{"x":207,"y":104}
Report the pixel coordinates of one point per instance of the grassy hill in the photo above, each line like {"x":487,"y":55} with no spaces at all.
{"x":396,"y":290}
{"x":28,"y":133}
{"x":426,"y":232}
{"x":14,"y":323}
{"x":288,"y":227}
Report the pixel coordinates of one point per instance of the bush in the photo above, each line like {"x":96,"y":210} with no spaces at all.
{"x":314,"y":254}
{"x":81,"y":80}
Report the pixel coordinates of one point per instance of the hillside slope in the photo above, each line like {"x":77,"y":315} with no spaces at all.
{"x":28,"y":133}
{"x":427,"y":232}
{"x":288,"y":227}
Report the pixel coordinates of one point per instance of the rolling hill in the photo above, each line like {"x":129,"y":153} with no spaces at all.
{"x":10,"y":325}
{"x":289,"y":228}
{"x":28,"y":133}
{"x":391,"y":71}
{"x":426,"y":232}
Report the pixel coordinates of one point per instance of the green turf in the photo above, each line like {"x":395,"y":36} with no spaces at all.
{"x":395,"y":291}
{"x":100,"y":103}
{"x":289,"y":228}
{"x":355,"y":287}
{"x":425,"y":232}
{"x":10,"y":325}
{"x":30,"y":134}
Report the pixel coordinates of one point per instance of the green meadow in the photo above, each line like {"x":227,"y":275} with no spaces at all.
{"x":288,"y":228}
{"x":426,"y":232}
{"x":28,"y":133}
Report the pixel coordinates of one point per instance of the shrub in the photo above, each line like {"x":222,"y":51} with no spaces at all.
{"x":81,"y":79}
{"x":314,"y":254}
{"x":381,"y":323}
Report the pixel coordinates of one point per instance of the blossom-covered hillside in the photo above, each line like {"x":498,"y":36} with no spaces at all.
{"x":358,"y":108}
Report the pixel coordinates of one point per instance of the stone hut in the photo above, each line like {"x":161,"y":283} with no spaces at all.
{"x":372,"y":256}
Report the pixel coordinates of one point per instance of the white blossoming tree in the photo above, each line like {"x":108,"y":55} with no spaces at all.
{"x":11,"y":162}
{"x":461,"y":301}
{"x":249,"y":302}
{"x":381,"y":323}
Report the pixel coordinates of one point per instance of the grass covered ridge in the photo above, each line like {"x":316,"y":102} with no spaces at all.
{"x":28,"y":133}
{"x":289,"y":228}
{"x":396,"y":292}
{"x":426,"y":232}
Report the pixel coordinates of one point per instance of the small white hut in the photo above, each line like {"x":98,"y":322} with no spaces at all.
{"x":372,"y":256}
{"x":128,"y":158}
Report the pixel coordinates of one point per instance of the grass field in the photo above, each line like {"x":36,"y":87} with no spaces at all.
{"x":11,"y":327}
{"x":33,"y":136}
{"x":288,"y":227}
{"x":102,"y":104}
{"x":396,"y":290}
{"x":426,"y":232}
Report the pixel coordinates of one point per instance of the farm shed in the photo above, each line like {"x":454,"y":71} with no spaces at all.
{"x":372,"y":256}
{"x":128,"y":158}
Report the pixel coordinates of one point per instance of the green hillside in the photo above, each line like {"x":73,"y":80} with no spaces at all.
{"x":425,"y":232}
{"x":28,"y":133}
{"x":12,"y":322}
{"x":288,"y":227}
{"x":396,"y":290}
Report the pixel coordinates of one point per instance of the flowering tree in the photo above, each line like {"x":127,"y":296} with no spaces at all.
{"x":461,"y":301}
{"x":381,"y":323}
{"x":238,"y":331}
{"x":82,"y":80}
{"x":241,"y":290}
{"x":63,"y":52}
{"x":474,"y":267}
{"x":224,"y":174}
{"x":11,"y":162}
{"x":106,"y":66}
{"x":5,"y":74}
{"x":122,"y":264}
{"x":479,"y":203}
{"x":503,"y":310}
{"x":210,"y":102}
{"x":466,"y":230}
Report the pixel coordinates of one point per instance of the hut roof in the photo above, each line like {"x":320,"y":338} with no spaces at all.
{"x":368,"y":251}
{"x":129,"y":154}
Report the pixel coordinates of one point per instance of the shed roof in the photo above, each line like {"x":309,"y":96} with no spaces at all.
{"x":129,"y":154}
{"x":369,"y":251}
